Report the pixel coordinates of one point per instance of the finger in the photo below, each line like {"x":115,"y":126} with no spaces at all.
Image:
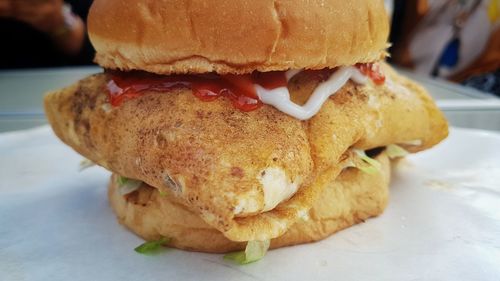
{"x":5,"y":8}
{"x":23,"y":10}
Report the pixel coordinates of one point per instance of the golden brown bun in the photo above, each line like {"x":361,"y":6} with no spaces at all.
{"x":352,"y":198}
{"x":237,"y":36}
{"x":211,"y":155}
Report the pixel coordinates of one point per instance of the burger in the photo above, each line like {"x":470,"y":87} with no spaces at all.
{"x":243,"y":125}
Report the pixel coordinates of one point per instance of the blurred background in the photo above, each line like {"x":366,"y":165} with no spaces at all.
{"x":451,"y":39}
{"x":451,"y":46}
{"x":44,"y":33}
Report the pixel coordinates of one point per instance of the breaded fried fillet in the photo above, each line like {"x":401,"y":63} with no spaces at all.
{"x":353,"y":197}
{"x":249,"y":175}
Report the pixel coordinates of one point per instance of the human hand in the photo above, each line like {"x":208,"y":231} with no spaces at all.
{"x":52,"y":17}
{"x":5,"y":8}
{"x":44,"y":15}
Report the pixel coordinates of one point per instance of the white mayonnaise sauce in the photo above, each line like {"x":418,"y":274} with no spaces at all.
{"x":280,"y":97}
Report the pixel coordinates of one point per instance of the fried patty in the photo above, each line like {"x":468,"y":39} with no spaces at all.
{"x":353,"y":197}
{"x":250,"y":175}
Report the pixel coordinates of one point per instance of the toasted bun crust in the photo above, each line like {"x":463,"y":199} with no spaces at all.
{"x":353,"y":197}
{"x":237,"y":36}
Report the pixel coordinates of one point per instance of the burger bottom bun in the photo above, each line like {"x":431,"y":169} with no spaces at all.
{"x":352,"y":198}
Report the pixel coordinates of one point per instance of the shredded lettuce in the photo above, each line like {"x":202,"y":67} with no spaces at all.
{"x":413,"y":142}
{"x":85,"y":163}
{"x":367,"y":165}
{"x":126,"y":185}
{"x":254,"y":251}
{"x":152,"y":247}
{"x":348,"y":164}
{"x":367,"y":169}
{"x":395,"y":151}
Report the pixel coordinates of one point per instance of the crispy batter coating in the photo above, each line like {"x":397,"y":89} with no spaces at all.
{"x":352,"y":198}
{"x":224,"y":164}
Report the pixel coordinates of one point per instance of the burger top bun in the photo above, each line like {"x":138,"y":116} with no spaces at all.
{"x":236,"y":36}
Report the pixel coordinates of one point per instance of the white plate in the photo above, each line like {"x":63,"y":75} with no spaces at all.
{"x":442,"y":223}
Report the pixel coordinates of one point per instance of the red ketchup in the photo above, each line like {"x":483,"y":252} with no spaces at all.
{"x":373,"y":71}
{"x":239,"y":89}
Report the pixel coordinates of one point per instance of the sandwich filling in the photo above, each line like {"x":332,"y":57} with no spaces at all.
{"x":250,"y":91}
{"x":250,"y":175}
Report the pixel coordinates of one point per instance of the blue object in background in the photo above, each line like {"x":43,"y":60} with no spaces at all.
{"x":449,"y":57}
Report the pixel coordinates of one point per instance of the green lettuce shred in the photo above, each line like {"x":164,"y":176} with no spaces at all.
{"x":85,"y":164}
{"x":126,"y":185}
{"x":413,"y":142}
{"x":152,"y":247}
{"x":254,"y":251}
{"x":367,"y":165}
{"x":395,"y":151}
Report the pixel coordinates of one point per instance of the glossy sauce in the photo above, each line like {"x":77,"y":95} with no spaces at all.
{"x":280,"y":97}
{"x":373,"y":71}
{"x":239,"y":89}
{"x":244,"y":91}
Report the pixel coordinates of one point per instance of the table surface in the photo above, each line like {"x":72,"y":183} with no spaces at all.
{"x":22,"y":91}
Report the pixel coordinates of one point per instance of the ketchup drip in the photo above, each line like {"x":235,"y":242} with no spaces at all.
{"x":373,"y":71}
{"x":239,"y":89}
